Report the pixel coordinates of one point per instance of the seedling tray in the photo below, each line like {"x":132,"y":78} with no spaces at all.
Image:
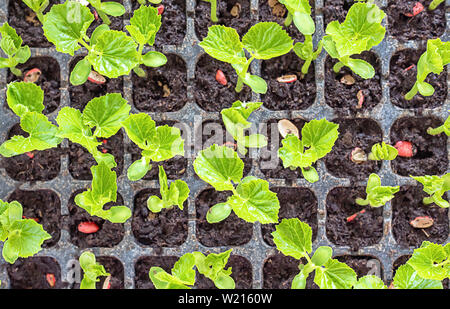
{"x":256,"y":250}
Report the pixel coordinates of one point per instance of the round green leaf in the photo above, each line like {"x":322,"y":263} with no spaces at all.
{"x":218,"y":212}
{"x":322,"y":255}
{"x":80,"y":72}
{"x":154,"y":59}
{"x":113,"y":8}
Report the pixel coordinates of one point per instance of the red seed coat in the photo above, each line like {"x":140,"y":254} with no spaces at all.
{"x":88,"y":227}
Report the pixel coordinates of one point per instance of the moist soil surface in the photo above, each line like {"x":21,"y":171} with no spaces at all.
{"x":427,"y":24}
{"x":82,"y":94}
{"x":365,"y":230}
{"x":173,"y":22}
{"x":164,"y":88}
{"x":45,"y":207}
{"x":175,"y":168}
{"x":362,"y":133}
{"x":288,"y":96}
{"x":343,"y":97}
{"x":108,"y":235}
{"x":31,"y":273}
{"x":81,"y":161}
{"x":45,"y":165}
{"x":232,"y":231}
{"x":362,"y":265}
{"x":26,"y":23}
{"x":49,"y":81}
{"x":210,"y":136}
{"x":168,"y":228}
{"x":269,"y":153}
{"x":335,"y":10}
{"x":402,"y":76}
{"x":431,"y":157}
{"x":114,"y":267}
{"x":209,"y":94}
{"x":242,"y":22}
{"x":241,"y":272}
{"x":406,"y":206}
{"x":298,"y":203}
{"x":279,"y":271}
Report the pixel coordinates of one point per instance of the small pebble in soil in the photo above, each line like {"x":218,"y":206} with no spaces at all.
{"x":347,"y":79}
{"x":286,"y":127}
{"x":358,"y":156}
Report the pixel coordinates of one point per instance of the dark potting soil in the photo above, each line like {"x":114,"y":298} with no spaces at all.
{"x":143,"y":265}
{"x":298,"y":203}
{"x":114,"y":267}
{"x":241,"y":273}
{"x":232,"y":231}
{"x":266,"y":14}
{"x":209,"y":94}
{"x":425,"y":25}
{"x":288,"y":96}
{"x":31,"y":273}
{"x":406,"y":206}
{"x":335,"y":10}
{"x":81,"y":161}
{"x":108,"y":235}
{"x":431,"y":157}
{"x":49,"y":81}
{"x":43,"y":205}
{"x":173,"y":22}
{"x":269,"y":162}
{"x":168,"y":228}
{"x":82,"y":94}
{"x":362,"y":133}
{"x":279,"y":271}
{"x":164,"y":88}
{"x":402,"y":76}
{"x":365,"y":230}
{"x":174,"y":168}
{"x":202,"y":20}
{"x":116,"y":22}
{"x":344,"y":97}
{"x":213,"y":132}
{"x":26,"y":23}
{"x":44,"y":166}
{"x":362,"y":265}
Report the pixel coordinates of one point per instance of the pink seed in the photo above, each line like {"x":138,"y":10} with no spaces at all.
{"x":50,"y":279}
{"x":160,"y":9}
{"x":30,"y":155}
{"x":96,"y":78}
{"x":32,"y":75}
{"x":286,"y":79}
{"x":418,"y":7}
{"x":422,"y":222}
{"x":405,"y":149}
{"x":221,"y":78}
{"x":88,"y":227}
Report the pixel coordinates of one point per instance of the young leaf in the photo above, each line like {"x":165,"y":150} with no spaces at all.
{"x":103,"y":190}
{"x":235,"y":120}
{"x":11,"y":44}
{"x":144,"y":25}
{"x":182,"y":275}
{"x":114,"y":54}
{"x":377,"y":195}
{"x":37,"y":6}
{"x":442,"y":128}
{"x":293,"y":238}
{"x":369,"y":282}
{"x":435,"y":186}
{"x":65,"y":25}
{"x":335,"y":275}
{"x":91,"y":269}
{"x":432,"y":60}
{"x":431,"y":261}
{"x":383,"y":151}
{"x":213,"y":267}
{"x":21,"y":237}
{"x":107,"y":8}
{"x":23,"y":97}
{"x":360,"y":31}
{"x":319,"y":136}
{"x":219,"y":166}
{"x":176,"y":194}
{"x":407,"y":278}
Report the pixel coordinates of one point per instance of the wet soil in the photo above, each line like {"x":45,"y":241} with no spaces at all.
{"x":30,"y":273}
{"x":431,"y":157}
{"x":167,"y":228}
{"x":365,"y":230}
{"x":362,"y":133}
{"x":335,"y":10}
